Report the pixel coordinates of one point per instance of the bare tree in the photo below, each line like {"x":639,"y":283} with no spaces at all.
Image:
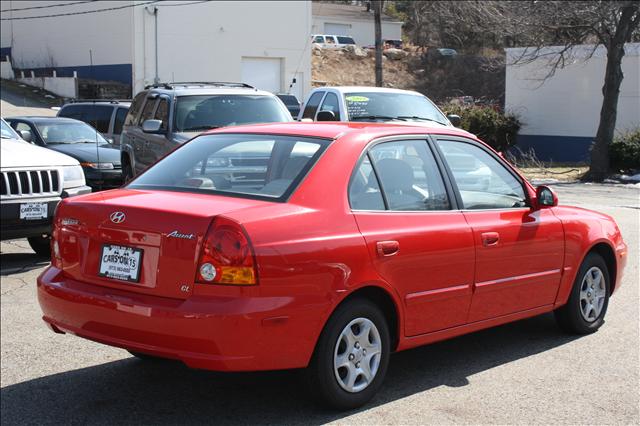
{"x":377,"y":12}
{"x":610,"y":24}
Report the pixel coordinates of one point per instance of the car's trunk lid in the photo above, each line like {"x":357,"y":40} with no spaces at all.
{"x":165,"y":228}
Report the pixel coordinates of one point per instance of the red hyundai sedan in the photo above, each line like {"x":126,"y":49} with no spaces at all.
{"x":326,"y":246}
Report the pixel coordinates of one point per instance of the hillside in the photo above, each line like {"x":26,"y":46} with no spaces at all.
{"x":341,"y":68}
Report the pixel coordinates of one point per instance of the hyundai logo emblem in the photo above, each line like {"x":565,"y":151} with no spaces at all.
{"x":117,"y":217}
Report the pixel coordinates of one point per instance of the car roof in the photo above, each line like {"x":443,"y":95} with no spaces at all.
{"x":349,"y":89}
{"x":335,"y":130}
{"x":44,"y":119}
{"x":101,"y":103}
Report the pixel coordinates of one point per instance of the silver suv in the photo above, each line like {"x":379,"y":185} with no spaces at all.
{"x":163,"y":116}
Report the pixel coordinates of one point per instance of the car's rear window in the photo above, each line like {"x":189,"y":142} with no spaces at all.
{"x":260,"y":166}
{"x":201,"y":112}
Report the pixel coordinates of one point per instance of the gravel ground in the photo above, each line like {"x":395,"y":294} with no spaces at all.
{"x":525,"y":372}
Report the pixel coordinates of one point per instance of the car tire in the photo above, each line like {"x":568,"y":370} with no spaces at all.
{"x":41,"y":245}
{"x":584,"y":312}
{"x":351,"y":385}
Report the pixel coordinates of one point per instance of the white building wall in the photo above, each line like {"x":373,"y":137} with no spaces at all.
{"x":569,"y":102}
{"x":363,"y":32}
{"x":66,"y":41}
{"x":207,"y":41}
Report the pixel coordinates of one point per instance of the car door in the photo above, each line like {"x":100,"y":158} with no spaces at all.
{"x":144,"y":158}
{"x":418,"y":242}
{"x":519,"y":251}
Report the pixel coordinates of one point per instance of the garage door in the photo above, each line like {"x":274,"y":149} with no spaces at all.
{"x":263,"y":73}
{"x":337,"y":29}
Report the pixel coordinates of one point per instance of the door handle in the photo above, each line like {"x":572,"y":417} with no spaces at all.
{"x":387,"y":248}
{"x":490,"y":239}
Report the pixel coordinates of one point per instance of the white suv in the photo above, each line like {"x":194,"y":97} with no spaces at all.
{"x":33,"y":180}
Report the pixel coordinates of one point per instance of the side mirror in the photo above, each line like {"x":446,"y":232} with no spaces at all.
{"x":455,"y":119}
{"x":26,"y":135}
{"x":546,"y":196}
{"x":153,"y":126}
{"x":326,"y":116}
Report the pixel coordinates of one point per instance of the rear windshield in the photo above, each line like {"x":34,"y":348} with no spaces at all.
{"x":197,"y":113}
{"x":260,"y":166}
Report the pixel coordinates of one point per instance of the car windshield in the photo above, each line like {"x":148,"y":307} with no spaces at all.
{"x":258,"y":166}
{"x":8,"y":132}
{"x":374,"y":106}
{"x":197,"y":113}
{"x":69,"y":133}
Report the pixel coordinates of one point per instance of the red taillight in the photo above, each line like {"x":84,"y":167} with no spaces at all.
{"x":227,"y":255}
{"x":56,"y":259}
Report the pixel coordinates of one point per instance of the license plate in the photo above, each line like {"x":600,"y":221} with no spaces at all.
{"x":33,"y":211}
{"x":120,"y":263}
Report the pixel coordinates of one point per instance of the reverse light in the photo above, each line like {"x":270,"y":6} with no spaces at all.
{"x":227,"y":255}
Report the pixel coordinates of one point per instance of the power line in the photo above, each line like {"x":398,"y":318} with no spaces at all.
{"x":79,"y":13}
{"x":47,"y":6}
{"x":182,"y":3}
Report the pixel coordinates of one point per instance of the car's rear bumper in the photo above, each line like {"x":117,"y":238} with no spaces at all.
{"x":215,"y":333}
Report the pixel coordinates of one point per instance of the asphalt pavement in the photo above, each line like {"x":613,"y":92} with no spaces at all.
{"x":526,"y":372}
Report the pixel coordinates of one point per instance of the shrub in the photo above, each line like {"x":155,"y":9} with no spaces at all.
{"x":624,"y":152}
{"x":495,"y":128}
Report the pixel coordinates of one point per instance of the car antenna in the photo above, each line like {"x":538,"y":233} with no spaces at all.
{"x":98,"y":158}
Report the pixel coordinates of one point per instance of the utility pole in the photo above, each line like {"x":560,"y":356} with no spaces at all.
{"x":377,"y":12}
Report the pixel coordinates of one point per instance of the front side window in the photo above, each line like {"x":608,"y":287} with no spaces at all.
{"x":312,"y":105}
{"x":147,"y":111}
{"x":261,"y":166}
{"x":482,"y":181}
{"x":203,"y":112}
{"x":134,"y":109}
{"x":330,"y":103}
{"x":386,"y":106}
{"x":8,"y":132}
{"x":408,"y":175}
{"x":162,"y":113}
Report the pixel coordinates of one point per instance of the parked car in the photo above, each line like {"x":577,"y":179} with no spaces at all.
{"x":372,"y":104}
{"x":291,"y":102}
{"x":392,"y":43}
{"x":338,"y":257}
{"x":105,"y":115}
{"x":32,"y":183}
{"x":163,"y":116}
{"x":332,"y":41}
{"x":98,"y":158}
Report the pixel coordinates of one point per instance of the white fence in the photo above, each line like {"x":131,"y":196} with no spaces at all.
{"x":66,"y":87}
{"x":6,"y":71}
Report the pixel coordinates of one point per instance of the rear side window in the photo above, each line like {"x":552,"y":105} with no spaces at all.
{"x":345,"y":40}
{"x":312,"y":105}
{"x":72,"y":111}
{"x":257,"y":166}
{"x":364,"y":190}
{"x":134,"y":109}
{"x":119,"y":121}
{"x":407,"y":175}
{"x":318,"y":39}
{"x":98,"y":116}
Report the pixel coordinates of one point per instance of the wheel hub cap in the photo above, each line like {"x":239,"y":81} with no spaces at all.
{"x":357,"y":355}
{"x":592,"y":294}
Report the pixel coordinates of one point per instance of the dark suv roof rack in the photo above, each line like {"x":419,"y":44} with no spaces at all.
{"x":198,"y":83}
{"x":95,"y":101}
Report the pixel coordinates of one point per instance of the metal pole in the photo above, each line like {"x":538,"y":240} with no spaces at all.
{"x":155,"y":14}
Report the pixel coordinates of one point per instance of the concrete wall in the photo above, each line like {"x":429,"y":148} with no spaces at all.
{"x":363,"y":32}
{"x":96,"y":45}
{"x":67,"y":87}
{"x":561,"y":114}
{"x":6,"y":71}
{"x":207,"y":41}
